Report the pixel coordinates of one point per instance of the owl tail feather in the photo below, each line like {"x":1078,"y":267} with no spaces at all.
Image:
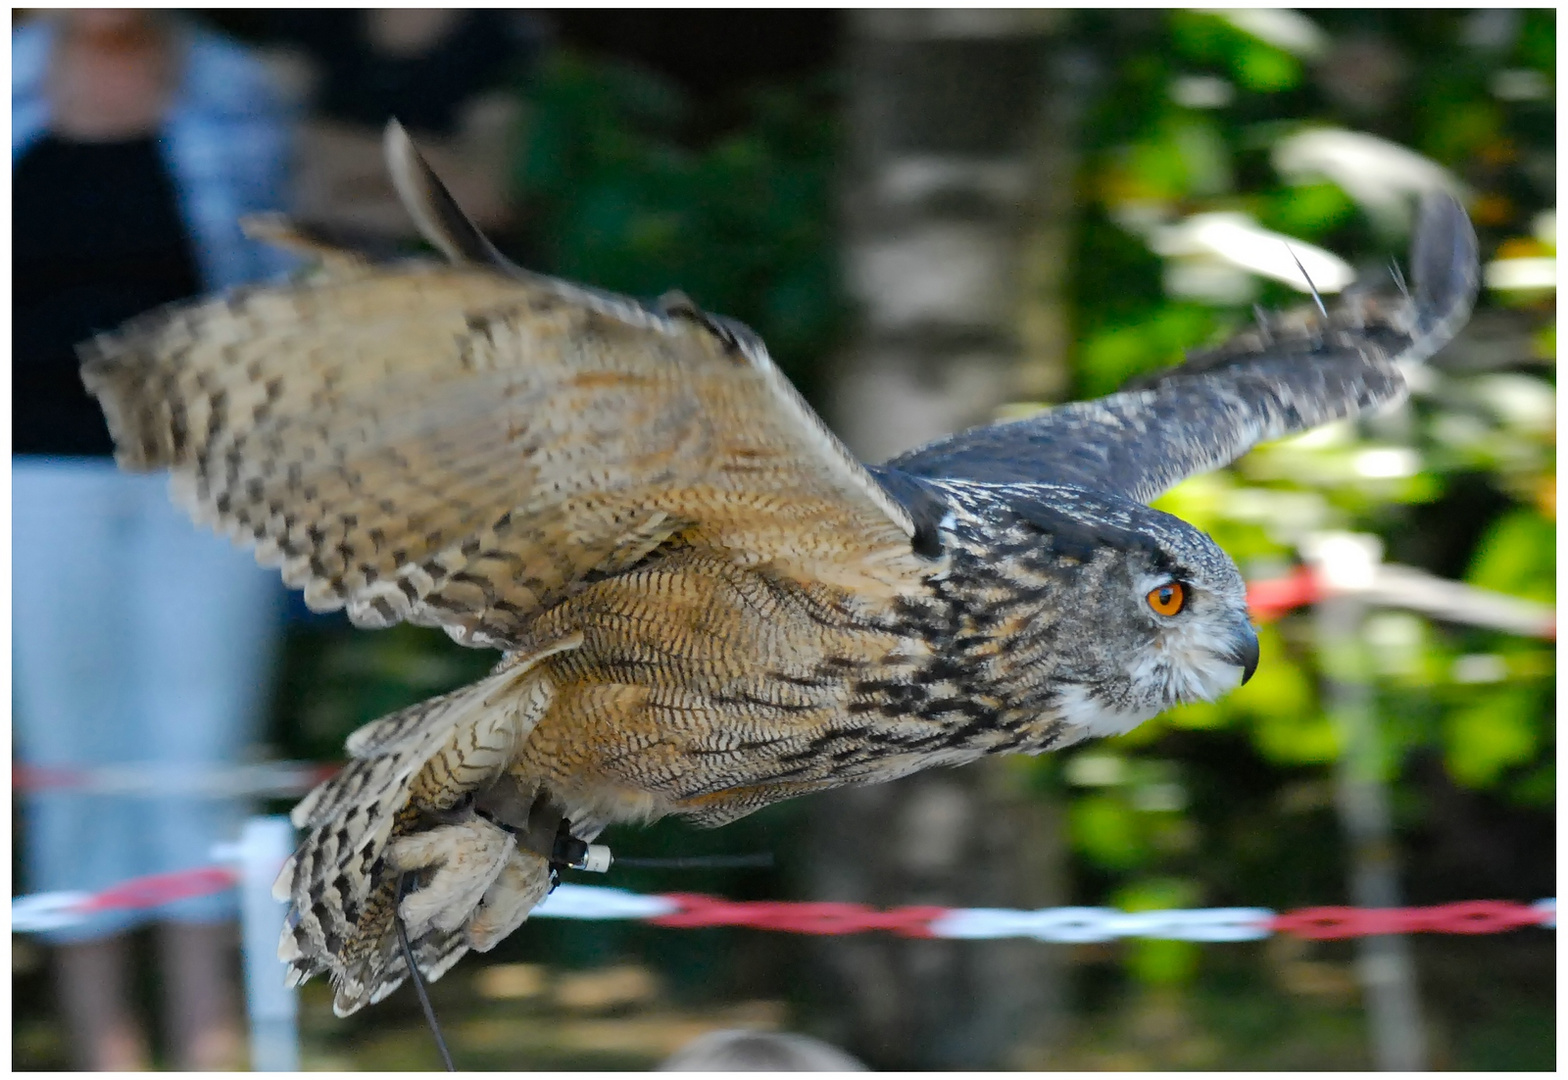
{"x":403,"y":806}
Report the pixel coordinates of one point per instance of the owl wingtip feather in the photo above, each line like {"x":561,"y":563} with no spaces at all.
{"x":1445,"y":266}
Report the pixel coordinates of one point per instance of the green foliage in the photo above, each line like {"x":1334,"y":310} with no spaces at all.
{"x":336,"y":678}
{"x":1108,"y":830}
{"x":1181,"y":160}
{"x":1306,"y":210}
{"x":1477,"y":702}
{"x":1488,"y":736}
{"x":1123,"y":350}
{"x":743,"y":225}
{"x":1256,"y":65}
{"x":1517,"y":555}
{"x":1296,"y":732}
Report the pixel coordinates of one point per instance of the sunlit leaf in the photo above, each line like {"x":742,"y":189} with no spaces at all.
{"x":1544,"y":342}
{"x":1116,"y":354}
{"x":1163,"y":963}
{"x":1517,"y":555}
{"x":1204,"y":153}
{"x":1107,"y":831}
{"x":1199,"y":716}
{"x":1308,"y":209}
{"x":1266,"y":69}
{"x":1296,"y":739}
{"x":1483,"y":739}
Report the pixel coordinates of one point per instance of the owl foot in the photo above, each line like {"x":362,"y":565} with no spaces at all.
{"x":524,"y":881}
{"x":457,"y":865}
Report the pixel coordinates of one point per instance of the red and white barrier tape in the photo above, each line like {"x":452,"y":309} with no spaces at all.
{"x":49,"y":911}
{"x":159,"y":779}
{"x":1392,"y":585}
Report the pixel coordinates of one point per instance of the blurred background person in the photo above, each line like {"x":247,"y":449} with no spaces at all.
{"x":441,"y":72}
{"x":138,"y":140}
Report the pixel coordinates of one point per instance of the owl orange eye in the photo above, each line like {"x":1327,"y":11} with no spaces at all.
{"x":1168,"y":599}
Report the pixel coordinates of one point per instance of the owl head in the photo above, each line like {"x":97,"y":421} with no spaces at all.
{"x":1138,"y":610}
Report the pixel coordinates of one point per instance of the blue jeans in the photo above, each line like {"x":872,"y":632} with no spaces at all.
{"x":141,"y":641}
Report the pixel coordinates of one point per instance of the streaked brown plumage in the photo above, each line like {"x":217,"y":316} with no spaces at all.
{"x":705,"y":604}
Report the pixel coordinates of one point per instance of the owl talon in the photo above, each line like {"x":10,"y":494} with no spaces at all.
{"x":522,"y":883}
{"x":466,"y":858}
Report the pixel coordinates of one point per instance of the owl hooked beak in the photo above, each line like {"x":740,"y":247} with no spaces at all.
{"x":1243,"y":652}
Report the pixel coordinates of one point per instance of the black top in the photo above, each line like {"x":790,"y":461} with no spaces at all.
{"x":424,"y":91}
{"x":97,"y":238}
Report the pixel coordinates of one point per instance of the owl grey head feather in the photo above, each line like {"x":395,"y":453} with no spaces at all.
{"x":1066,"y":578}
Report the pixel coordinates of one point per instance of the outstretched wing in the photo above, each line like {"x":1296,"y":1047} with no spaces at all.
{"x":459,"y":445}
{"x":1288,"y":376}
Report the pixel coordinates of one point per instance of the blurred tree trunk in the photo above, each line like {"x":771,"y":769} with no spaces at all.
{"x":956,"y":206}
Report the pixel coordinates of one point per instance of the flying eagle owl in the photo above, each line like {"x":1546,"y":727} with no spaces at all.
{"x":704,"y":603}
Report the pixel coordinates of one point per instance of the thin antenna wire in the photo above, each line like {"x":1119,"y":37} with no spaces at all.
{"x":1316,"y":298}
{"x":694,"y":862}
{"x":419,"y":981}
